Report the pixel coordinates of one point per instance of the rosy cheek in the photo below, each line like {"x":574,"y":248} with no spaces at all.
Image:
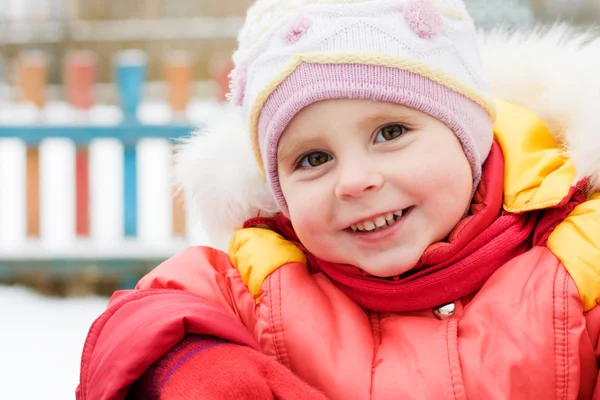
{"x":449,"y":191}
{"x":444,"y":170}
{"x":313,"y":229}
{"x":307,"y":217}
{"x":304,"y":220}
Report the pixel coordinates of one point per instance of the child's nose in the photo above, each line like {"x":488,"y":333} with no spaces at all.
{"x":357,"y":181}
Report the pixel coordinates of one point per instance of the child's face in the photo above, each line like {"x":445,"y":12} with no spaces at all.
{"x":345,"y":165}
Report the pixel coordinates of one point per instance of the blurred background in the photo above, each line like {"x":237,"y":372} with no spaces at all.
{"x":93,"y":94}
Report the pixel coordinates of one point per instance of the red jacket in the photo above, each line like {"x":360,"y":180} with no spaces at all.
{"x":529,"y":331}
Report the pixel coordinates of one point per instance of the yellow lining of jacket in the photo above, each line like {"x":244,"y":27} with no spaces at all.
{"x":576,"y":243}
{"x":536,"y":176}
{"x":256,"y":253}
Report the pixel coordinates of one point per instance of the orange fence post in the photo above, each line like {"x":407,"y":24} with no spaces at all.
{"x":179,"y":74}
{"x":33,"y":77}
{"x":179,"y":226}
{"x":33,"y":192}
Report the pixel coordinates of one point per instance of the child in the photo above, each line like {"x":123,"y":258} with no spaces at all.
{"x":421,"y":235}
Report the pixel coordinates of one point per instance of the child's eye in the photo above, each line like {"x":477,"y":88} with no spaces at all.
{"x":390,"y":132}
{"x":314,"y":159}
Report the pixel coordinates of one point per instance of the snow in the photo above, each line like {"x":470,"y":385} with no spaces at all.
{"x":41,"y":340}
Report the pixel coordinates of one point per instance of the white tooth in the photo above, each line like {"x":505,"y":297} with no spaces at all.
{"x":380,"y":221}
{"x":360,"y":226}
{"x":369,"y":225}
{"x":398,"y":213}
{"x":353,"y":228}
{"x":389,"y":217}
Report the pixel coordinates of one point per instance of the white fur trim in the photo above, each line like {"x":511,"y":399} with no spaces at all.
{"x":554,"y":74}
{"x":220,"y":178}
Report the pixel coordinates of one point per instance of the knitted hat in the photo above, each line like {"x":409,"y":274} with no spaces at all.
{"x":419,"y":53}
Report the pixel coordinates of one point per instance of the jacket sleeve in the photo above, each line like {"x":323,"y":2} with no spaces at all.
{"x":195,"y":292}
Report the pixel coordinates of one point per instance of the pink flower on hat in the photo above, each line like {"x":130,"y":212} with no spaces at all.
{"x":237,"y":85}
{"x":296,"y":29}
{"x":423,"y":17}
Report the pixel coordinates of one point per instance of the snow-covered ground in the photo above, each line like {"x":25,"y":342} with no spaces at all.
{"x":41,"y":340}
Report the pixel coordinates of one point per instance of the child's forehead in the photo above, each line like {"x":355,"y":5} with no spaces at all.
{"x":322,"y":121}
{"x":347,"y":109}
{"x":344,"y":112}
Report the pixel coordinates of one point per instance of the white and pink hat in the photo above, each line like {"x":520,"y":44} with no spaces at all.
{"x":420,"y":53}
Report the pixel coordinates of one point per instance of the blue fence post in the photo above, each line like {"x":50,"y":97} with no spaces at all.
{"x":130,"y":76}
{"x":130,"y":190}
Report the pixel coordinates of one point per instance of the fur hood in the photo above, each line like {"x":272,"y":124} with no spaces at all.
{"x":553,"y":73}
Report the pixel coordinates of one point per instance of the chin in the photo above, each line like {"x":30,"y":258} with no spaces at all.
{"x":388,"y":268}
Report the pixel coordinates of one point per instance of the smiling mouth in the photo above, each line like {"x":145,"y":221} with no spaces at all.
{"x":380,"y":222}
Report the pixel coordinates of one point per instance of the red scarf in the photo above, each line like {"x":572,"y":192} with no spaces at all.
{"x":480,"y":244}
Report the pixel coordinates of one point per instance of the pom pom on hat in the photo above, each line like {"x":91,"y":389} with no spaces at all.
{"x":423,"y":18}
{"x":296,"y":29}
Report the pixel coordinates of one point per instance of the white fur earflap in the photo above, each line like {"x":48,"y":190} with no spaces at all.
{"x":554,"y":73}
{"x":222,"y":184}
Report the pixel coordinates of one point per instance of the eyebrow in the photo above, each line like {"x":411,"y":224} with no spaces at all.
{"x":388,"y":114}
{"x":293,"y":149}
